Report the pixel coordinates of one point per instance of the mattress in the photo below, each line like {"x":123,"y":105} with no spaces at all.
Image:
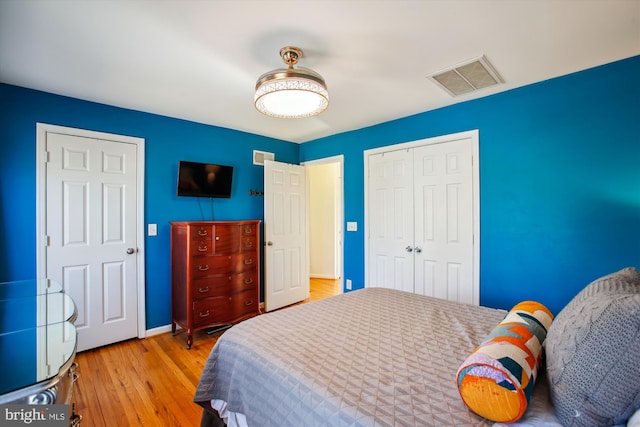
{"x":372,"y":357}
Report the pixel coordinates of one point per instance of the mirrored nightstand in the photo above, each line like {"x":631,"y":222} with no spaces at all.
{"x":37,"y":344}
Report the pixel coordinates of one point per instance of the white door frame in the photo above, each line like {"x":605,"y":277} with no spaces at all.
{"x":474,"y":135}
{"x":41,"y":218}
{"x":340,"y":160}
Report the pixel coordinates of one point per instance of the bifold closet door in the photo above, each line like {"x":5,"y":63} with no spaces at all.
{"x":443,"y":234}
{"x":421,"y":216}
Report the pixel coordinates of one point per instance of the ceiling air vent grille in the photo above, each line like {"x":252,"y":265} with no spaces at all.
{"x":468,"y":76}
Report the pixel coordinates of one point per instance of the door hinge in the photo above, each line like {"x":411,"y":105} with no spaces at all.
{"x":47,"y":157}
{"x":47,"y":241}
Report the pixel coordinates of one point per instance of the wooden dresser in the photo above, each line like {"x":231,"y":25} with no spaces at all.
{"x":215,"y":274}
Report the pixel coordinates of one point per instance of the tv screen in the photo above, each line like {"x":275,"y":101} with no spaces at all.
{"x":204,"y":179}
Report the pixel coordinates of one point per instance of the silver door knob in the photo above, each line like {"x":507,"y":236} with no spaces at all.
{"x":130,"y":251}
{"x":418,"y":249}
{"x":408,"y":249}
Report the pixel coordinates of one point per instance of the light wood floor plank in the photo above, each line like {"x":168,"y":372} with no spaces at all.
{"x":151,"y":382}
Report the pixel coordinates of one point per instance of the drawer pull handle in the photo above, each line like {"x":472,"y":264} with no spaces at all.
{"x":202,"y":232}
{"x":203,"y":290}
{"x":248,"y":261}
{"x":203,"y":248}
{"x":248,"y":230}
{"x":248,"y":303}
{"x":248,"y":244}
{"x":203,"y":267}
{"x":205,"y":314}
{"x":217,"y":237}
{"x":248,"y":281}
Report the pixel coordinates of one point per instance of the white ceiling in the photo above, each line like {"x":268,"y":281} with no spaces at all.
{"x":199,"y":60}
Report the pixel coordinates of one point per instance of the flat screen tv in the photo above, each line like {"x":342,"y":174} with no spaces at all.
{"x":204,"y":179}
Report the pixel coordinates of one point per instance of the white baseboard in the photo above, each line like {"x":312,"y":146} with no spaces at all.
{"x":160,"y":330}
{"x":323,"y":276}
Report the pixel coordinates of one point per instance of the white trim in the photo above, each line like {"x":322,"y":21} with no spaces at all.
{"x":161,"y":330}
{"x":340,"y":160}
{"x":474,"y":136}
{"x":41,"y":219}
{"x":323,"y":276}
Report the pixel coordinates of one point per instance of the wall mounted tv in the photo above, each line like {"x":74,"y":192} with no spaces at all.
{"x":204,"y":179}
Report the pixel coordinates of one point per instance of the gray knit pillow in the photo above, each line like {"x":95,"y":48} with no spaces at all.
{"x":593,"y":353}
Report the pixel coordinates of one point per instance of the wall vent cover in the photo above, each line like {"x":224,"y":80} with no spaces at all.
{"x":471,"y":75}
{"x":260,"y":156}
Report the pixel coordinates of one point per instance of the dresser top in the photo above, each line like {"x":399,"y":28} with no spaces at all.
{"x":243,"y":221}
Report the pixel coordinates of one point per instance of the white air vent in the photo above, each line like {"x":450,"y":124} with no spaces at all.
{"x":260,"y":156}
{"x":468,"y":76}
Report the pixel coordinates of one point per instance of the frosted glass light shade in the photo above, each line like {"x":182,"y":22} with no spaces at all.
{"x":290,"y":97}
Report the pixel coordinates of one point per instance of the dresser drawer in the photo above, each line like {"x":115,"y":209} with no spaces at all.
{"x":199,"y":247}
{"x":201,"y":232}
{"x":244,"y":261}
{"x":248,"y":243}
{"x":249,"y":229}
{"x":203,"y":266}
{"x":244,"y":281}
{"x":211,"y":310}
{"x":244,"y":303}
{"x":216,"y":286}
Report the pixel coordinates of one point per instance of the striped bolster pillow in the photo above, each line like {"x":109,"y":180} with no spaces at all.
{"x":496,"y":381}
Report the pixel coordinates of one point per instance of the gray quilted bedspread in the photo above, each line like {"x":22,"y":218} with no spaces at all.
{"x":372,"y":357}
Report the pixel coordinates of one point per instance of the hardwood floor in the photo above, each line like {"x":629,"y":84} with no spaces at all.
{"x":151,"y":382}
{"x":323,"y":288}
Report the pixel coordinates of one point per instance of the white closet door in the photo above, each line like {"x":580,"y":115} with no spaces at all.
{"x":390,"y":198}
{"x":422,"y":217}
{"x":444,"y":220}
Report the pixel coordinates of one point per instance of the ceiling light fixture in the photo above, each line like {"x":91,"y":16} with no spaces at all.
{"x":289,"y":93}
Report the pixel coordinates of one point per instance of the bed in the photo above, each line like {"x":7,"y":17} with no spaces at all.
{"x":371,"y":357}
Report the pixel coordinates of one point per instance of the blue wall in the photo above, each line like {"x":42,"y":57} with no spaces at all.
{"x":167,"y":141}
{"x":559,"y":181}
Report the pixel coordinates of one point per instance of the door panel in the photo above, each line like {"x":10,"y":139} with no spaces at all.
{"x":91,"y":208}
{"x":391,"y":218}
{"x":444,"y":220}
{"x":286,"y":235}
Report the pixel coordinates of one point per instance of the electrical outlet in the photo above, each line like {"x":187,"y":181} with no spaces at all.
{"x":352,"y":226}
{"x":348,"y":284}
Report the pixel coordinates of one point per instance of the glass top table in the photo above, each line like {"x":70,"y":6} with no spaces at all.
{"x":37,"y":336}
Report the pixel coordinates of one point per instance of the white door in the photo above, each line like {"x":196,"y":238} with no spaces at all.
{"x":422,"y":217}
{"x":91,"y":220}
{"x":286,"y":232}
{"x":444,"y":221}
{"x":391,"y":220}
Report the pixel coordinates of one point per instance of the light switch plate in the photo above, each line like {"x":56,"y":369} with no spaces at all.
{"x":152,"y":229}
{"x":352,"y":226}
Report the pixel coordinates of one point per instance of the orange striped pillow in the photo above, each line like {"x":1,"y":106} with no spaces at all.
{"x":496,"y":381}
